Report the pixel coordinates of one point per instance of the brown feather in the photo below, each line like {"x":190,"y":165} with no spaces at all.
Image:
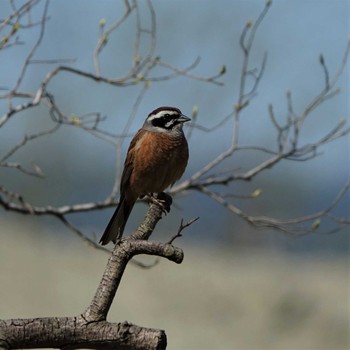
{"x":154,"y":162}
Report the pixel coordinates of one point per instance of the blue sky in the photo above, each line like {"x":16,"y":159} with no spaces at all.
{"x":294,"y":34}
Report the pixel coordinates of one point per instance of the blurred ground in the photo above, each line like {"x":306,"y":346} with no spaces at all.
{"x":214,"y":300}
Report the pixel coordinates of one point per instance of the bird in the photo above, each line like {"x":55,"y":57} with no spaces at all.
{"x":156,"y":158}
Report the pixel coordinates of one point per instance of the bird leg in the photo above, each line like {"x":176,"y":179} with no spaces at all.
{"x":162,"y":199}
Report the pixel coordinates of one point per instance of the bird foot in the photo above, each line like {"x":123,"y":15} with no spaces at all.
{"x":162,"y":199}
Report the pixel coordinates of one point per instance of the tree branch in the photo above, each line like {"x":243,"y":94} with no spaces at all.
{"x":77,"y":333}
{"x":90,"y":329}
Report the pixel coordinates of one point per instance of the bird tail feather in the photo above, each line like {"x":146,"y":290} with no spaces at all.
{"x":115,"y":228}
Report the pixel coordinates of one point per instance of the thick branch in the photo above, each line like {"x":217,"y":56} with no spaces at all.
{"x":91,"y":330}
{"x":75,"y":333}
{"x":122,"y":253}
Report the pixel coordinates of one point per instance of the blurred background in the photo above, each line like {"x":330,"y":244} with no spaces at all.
{"x":238,"y":287}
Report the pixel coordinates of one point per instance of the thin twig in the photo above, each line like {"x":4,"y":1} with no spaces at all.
{"x":34,"y":48}
{"x":102,"y":41}
{"x":26,"y":139}
{"x":181,"y":228}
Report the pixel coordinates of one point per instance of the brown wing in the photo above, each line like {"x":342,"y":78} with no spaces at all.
{"x":128,"y":197}
{"x":129,"y":162}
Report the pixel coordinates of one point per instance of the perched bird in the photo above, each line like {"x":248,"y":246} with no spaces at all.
{"x":156,"y":159}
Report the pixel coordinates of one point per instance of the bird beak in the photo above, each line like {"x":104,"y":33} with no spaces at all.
{"x":183,"y":119}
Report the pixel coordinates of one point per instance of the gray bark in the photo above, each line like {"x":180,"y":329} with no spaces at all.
{"x":90,"y":329}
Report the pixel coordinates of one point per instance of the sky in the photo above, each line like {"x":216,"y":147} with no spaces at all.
{"x":79,"y":167}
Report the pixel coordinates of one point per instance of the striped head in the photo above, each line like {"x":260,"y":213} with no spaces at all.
{"x":165,"y":119}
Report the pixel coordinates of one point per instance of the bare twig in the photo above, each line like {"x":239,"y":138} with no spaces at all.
{"x":104,"y":36}
{"x":185,"y":72}
{"x":145,"y":69}
{"x":18,"y":13}
{"x":34,"y":49}
{"x":144,"y":61}
{"x":242,"y":102}
{"x":26,"y":139}
{"x":292,"y":226}
{"x":181,"y":228}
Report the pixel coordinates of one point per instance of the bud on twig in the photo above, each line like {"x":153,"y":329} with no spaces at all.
{"x":194,"y":111}
{"x":102,"y":22}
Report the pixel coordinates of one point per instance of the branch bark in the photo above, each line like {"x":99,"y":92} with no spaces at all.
{"x":75,"y":333}
{"x":90,"y":329}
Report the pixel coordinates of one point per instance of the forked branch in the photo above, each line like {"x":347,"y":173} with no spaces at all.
{"x":90,"y":329}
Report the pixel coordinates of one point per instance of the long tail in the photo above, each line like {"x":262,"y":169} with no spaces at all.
{"x":115,"y":228}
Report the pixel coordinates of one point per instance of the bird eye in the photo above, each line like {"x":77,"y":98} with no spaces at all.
{"x":167,"y":115}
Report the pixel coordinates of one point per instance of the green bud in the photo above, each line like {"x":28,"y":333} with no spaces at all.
{"x":4,"y":40}
{"x":102,"y":22}
{"x":194,"y":111}
{"x":139,"y":76}
{"x":15,"y":28}
{"x":256,"y":193}
{"x":75,"y":120}
{"x":316,"y":224}
{"x":342,"y":121}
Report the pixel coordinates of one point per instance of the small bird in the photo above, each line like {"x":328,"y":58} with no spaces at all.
{"x":156,"y":159}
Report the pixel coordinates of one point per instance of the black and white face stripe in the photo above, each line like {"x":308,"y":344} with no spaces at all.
{"x":166,"y":118}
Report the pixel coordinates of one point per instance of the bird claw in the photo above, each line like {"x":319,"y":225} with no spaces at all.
{"x":163,"y":200}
